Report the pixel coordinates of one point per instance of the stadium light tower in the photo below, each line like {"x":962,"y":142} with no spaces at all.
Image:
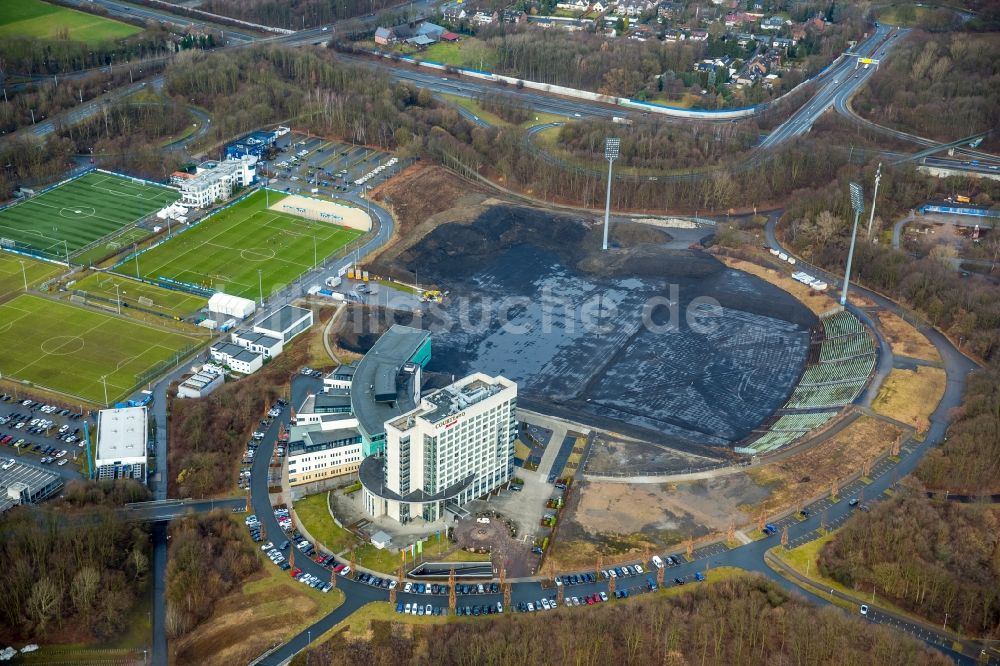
{"x":611,"y":149}
{"x":858,"y":204}
{"x":878,"y":177}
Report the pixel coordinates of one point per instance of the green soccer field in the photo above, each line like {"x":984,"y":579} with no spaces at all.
{"x":68,"y":349}
{"x":33,"y":18}
{"x":12,"y":278}
{"x":83,"y":210}
{"x":224,"y":252}
{"x":168,"y":301}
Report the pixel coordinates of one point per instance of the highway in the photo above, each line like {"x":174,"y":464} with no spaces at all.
{"x":840,"y":80}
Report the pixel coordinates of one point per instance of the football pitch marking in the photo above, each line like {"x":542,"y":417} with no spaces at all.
{"x":62,"y":345}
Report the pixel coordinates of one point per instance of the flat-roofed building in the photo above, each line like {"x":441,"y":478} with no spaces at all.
{"x":24,"y":484}
{"x":200,"y":384}
{"x":262,"y":343}
{"x":316,"y":453}
{"x":236,"y":358}
{"x":456,"y":445}
{"x":121,"y":443}
{"x":286,"y":323}
{"x":386,"y":382}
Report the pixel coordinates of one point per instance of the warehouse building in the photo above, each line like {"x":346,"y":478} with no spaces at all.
{"x":286,"y":323}
{"x":121,"y":443}
{"x":24,"y":484}
{"x":215,"y":181}
{"x":236,"y":358}
{"x":455,"y":446}
{"x":200,"y":384}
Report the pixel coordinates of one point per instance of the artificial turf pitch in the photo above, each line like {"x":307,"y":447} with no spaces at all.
{"x":68,"y":349}
{"x":81,"y":211}
{"x":225,"y":251}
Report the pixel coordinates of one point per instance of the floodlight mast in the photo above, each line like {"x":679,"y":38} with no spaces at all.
{"x":858,"y":204}
{"x":611,"y":150}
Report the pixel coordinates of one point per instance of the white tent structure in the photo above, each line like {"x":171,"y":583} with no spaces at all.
{"x":231,"y":306}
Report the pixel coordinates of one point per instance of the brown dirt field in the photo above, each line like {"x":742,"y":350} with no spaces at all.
{"x":911,"y":396}
{"x":243,"y":625}
{"x":905,"y":339}
{"x":812,"y":472}
{"x":817,"y":302}
{"x":421,"y":198}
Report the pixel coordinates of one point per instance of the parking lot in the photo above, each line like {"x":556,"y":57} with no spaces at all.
{"x":42,"y":434}
{"x":312,"y":165}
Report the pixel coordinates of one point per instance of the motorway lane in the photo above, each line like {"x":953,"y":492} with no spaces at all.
{"x":841,"y":79}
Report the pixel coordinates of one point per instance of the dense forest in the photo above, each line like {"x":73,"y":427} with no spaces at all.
{"x":29,"y":161}
{"x":928,"y":556}
{"x":969,"y":460}
{"x":71,"y":577}
{"x":662,"y":145}
{"x":50,"y":96}
{"x":817,"y":224}
{"x":941,"y":86}
{"x":747,"y":621}
{"x":210,"y":556}
{"x":126,"y":136}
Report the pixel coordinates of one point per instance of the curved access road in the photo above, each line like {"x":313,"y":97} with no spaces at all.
{"x":752,"y":556}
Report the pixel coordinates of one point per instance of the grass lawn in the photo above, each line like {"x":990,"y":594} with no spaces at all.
{"x":904,"y":15}
{"x":225,"y":251}
{"x":911,"y":396}
{"x":168,"y":301}
{"x":68,"y":349}
{"x":905,"y":339}
{"x":122,"y":242}
{"x":83,"y":210}
{"x":12,"y":278}
{"x":33,"y":18}
{"x":370,"y":557}
{"x":473,"y":107}
{"x":468,"y":52}
{"x":312,"y":511}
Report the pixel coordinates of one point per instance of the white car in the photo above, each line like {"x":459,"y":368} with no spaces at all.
{"x":545,"y":604}
{"x":407,"y":588}
{"x":62,"y":462}
{"x":864,"y":609}
{"x":267,"y":546}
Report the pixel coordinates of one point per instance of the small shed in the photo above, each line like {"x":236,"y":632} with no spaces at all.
{"x":381,"y":540}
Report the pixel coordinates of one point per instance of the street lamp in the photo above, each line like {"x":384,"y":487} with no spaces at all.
{"x":858,"y":204}
{"x":118,"y":296}
{"x":105,"y":383}
{"x":260,"y":286}
{"x":611,"y":148}
{"x":25,"y":276}
{"x":878,"y":177}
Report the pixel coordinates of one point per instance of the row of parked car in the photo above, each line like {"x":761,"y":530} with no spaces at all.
{"x":312,"y":581}
{"x":425,"y":609}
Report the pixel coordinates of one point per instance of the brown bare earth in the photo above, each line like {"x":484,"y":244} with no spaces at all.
{"x":905,"y":339}
{"x":270,"y":609}
{"x":818,"y":302}
{"x":810,"y":473}
{"x":421,"y":198}
{"x":911,"y":396}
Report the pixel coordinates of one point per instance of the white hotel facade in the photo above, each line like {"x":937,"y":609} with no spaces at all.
{"x":455,"y":446}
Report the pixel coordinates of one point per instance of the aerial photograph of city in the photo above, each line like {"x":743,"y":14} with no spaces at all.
{"x":500,"y":332}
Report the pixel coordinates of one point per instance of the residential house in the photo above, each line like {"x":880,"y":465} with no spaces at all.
{"x":515,"y":16}
{"x":673,"y":35}
{"x":744,"y":38}
{"x":698,"y":35}
{"x":421,"y":33}
{"x":772,"y":23}
{"x":783,"y":43}
{"x":574,"y":5}
{"x":485,"y":18}
{"x":599,"y":7}
{"x":454,"y":14}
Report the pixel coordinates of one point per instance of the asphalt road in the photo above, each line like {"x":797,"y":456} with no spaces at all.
{"x":750,"y":557}
{"x":842,"y":79}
